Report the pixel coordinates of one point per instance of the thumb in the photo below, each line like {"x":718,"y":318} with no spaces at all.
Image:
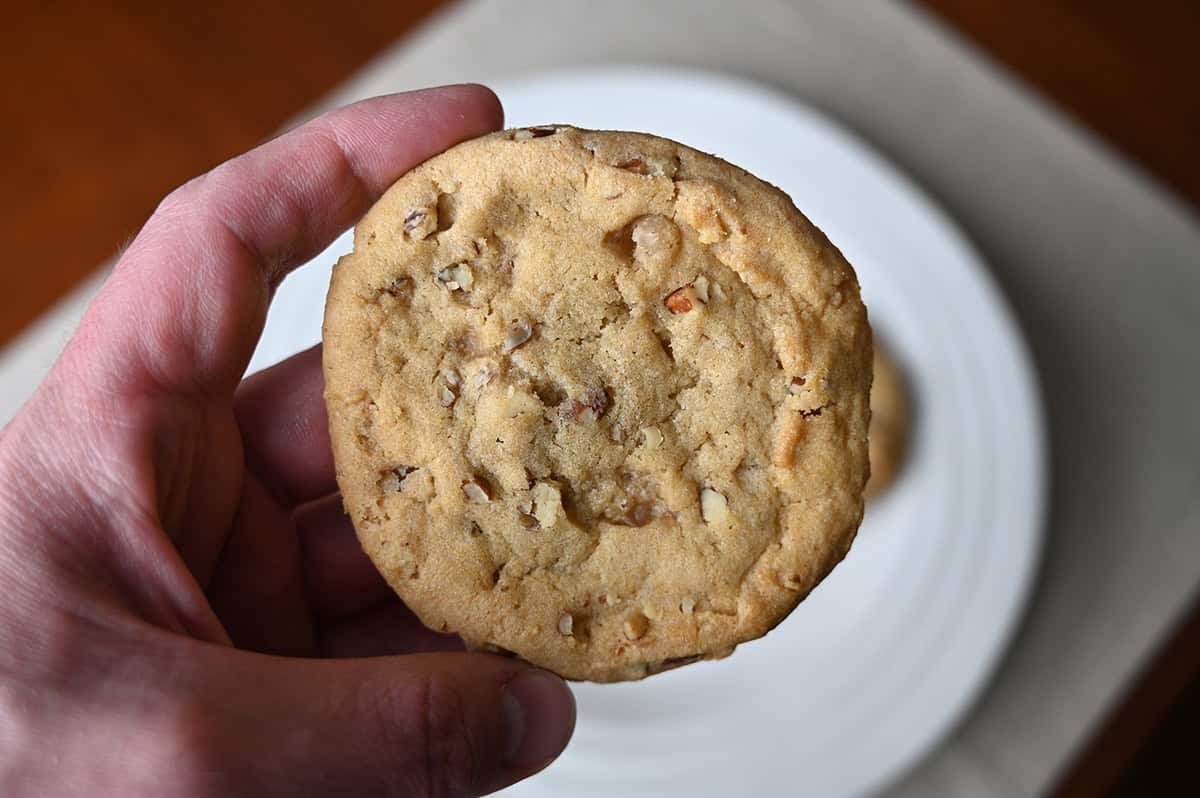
{"x":449,"y":724}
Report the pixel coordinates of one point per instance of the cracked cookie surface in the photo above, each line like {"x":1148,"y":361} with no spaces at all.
{"x":597,"y":399}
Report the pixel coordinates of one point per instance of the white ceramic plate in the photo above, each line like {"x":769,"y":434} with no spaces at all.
{"x":880,"y":662}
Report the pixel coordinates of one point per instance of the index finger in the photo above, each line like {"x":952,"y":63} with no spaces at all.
{"x":187,"y":301}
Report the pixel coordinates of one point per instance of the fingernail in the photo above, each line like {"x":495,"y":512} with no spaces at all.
{"x":539,"y":716}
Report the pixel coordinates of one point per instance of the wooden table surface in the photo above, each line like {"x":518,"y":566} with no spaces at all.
{"x":108,"y":106}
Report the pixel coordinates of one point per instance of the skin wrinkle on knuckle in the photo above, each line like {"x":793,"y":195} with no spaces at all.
{"x":452,"y":760}
{"x":177,"y":205}
{"x":269,"y":267}
{"x":286,"y":205}
{"x":208,"y":208}
{"x":360,"y":187}
{"x":422,"y":723}
{"x":377,"y":711}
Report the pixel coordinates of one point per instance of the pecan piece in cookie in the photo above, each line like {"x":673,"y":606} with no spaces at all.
{"x":681,"y":300}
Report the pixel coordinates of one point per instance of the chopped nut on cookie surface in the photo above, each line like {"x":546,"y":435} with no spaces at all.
{"x":477,"y":491}
{"x":420,"y":222}
{"x":519,"y":333}
{"x":527,"y":133}
{"x":635,"y":626}
{"x":681,"y":300}
{"x":591,"y":406}
{"x":547,"y":504}
{"x":457,"y":277}
{"x":714,"y":508}
{"x":392,"y":480}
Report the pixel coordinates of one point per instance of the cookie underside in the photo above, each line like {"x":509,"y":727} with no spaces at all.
{"x":597,"y":399}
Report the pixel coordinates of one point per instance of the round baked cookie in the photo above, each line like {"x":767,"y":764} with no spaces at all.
{"x":597,"y":399}
{"x":888,"y":432}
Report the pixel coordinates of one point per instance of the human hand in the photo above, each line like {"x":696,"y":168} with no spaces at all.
{"x":186,"y":610}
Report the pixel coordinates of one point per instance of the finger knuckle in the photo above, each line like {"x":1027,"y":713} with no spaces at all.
{"x":181,"y":200}
{"x":426,"y":721}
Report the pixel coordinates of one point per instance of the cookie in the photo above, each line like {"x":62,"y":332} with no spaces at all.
{"x":888,"y":431}
{"x":596,"y":399}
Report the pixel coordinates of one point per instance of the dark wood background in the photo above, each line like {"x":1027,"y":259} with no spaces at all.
{"x":95,"y":135}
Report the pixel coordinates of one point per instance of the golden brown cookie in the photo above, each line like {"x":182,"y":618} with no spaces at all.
{"x":597,"y":399}
{"x":888,"y":433}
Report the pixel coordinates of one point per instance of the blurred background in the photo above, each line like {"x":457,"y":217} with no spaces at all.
{"x":109,"y":105}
